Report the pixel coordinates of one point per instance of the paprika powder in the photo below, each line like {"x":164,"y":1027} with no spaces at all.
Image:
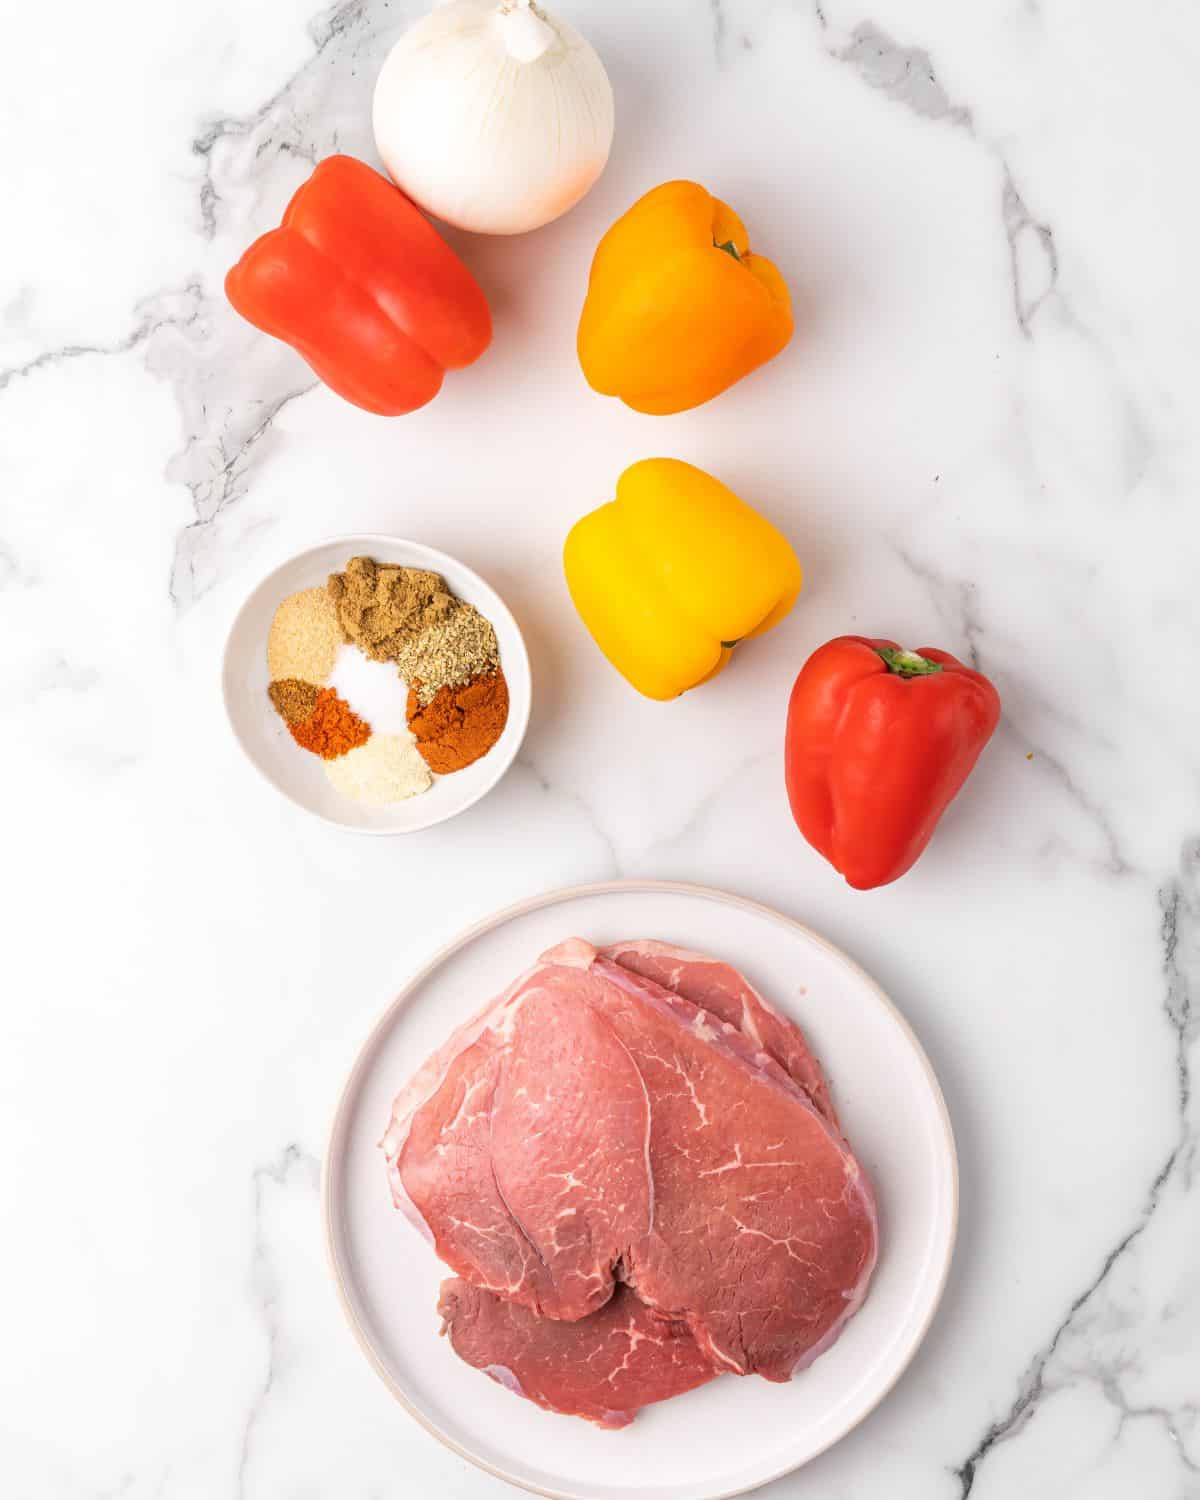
{"x":459,"y":725}
{"x":332,"y":729}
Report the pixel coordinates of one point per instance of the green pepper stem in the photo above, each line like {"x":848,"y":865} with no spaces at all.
{"x":908,"y":663}
{"x":730,"y":249}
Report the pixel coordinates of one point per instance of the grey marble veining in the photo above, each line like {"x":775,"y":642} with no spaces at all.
{"x":982,"y":437}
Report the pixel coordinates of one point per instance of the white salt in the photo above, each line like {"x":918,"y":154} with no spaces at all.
{"x":373,"y":689}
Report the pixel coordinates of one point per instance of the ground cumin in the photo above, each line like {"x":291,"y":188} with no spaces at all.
{"x":459,"y":724}
{"x":380,"y":608}
{"x":332,"y":729}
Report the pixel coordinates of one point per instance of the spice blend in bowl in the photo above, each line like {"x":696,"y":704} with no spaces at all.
{"x":380,"y":607}
{"x":332,"y":729}
{"x":305,"y":638}
{"x":385,"y":769}
{"x":294,"y":700}
{"x":446,"y":657}
{"x":455,"y":651}
{"x":458,"y":725}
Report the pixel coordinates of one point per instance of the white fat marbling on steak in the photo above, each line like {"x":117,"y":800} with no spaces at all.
{"x":654,"y":1174}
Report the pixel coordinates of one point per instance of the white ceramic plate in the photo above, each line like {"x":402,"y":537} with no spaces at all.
{"x":301,"y":778}
{"x":891,"y":1108}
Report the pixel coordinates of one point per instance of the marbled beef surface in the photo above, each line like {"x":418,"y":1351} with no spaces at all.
{"x":718,"y":988}
{"x":605,"y":1367}
{"x":594,"y":1127}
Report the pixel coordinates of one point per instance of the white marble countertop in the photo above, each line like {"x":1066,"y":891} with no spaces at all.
{"x":983,"y":437}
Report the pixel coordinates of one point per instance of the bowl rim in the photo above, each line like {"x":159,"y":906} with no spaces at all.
{"x":434,"y":557}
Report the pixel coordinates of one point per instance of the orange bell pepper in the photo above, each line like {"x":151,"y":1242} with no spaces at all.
{"x":361,"y":284}
{"x":677,"y":308}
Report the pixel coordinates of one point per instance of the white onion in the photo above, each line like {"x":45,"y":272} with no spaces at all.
{"x":493,"y":115}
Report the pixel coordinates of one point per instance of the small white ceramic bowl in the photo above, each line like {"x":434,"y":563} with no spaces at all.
{"x":300,"y":776}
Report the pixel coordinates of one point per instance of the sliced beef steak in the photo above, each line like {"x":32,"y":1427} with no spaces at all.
{"x":600,"y":1127}
{"x":719,"y":989}
{"x":608,"y":1365}
{"x":710,"y":983}
{"x":604,"y":1367}
{"x":529,"y":1164}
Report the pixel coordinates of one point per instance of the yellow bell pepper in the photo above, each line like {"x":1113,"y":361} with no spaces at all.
{"x":677,"y":308}
{"x":674,"y":572}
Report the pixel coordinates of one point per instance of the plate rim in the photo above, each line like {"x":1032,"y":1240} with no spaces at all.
{"x":400,"y":1000}
{"x":433,"y":555}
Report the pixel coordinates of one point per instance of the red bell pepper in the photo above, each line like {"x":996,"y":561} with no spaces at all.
{"x":361,"y":284}
{"x":879,"y":742}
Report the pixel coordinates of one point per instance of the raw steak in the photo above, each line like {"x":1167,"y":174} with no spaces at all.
{"x":719,"y":989}
{"x":624,"y":1353}
{"x":707,"y":982}
{"x":527,"y":1189}
{"x":604,"y":1367}
{"x":691,"y":1166}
